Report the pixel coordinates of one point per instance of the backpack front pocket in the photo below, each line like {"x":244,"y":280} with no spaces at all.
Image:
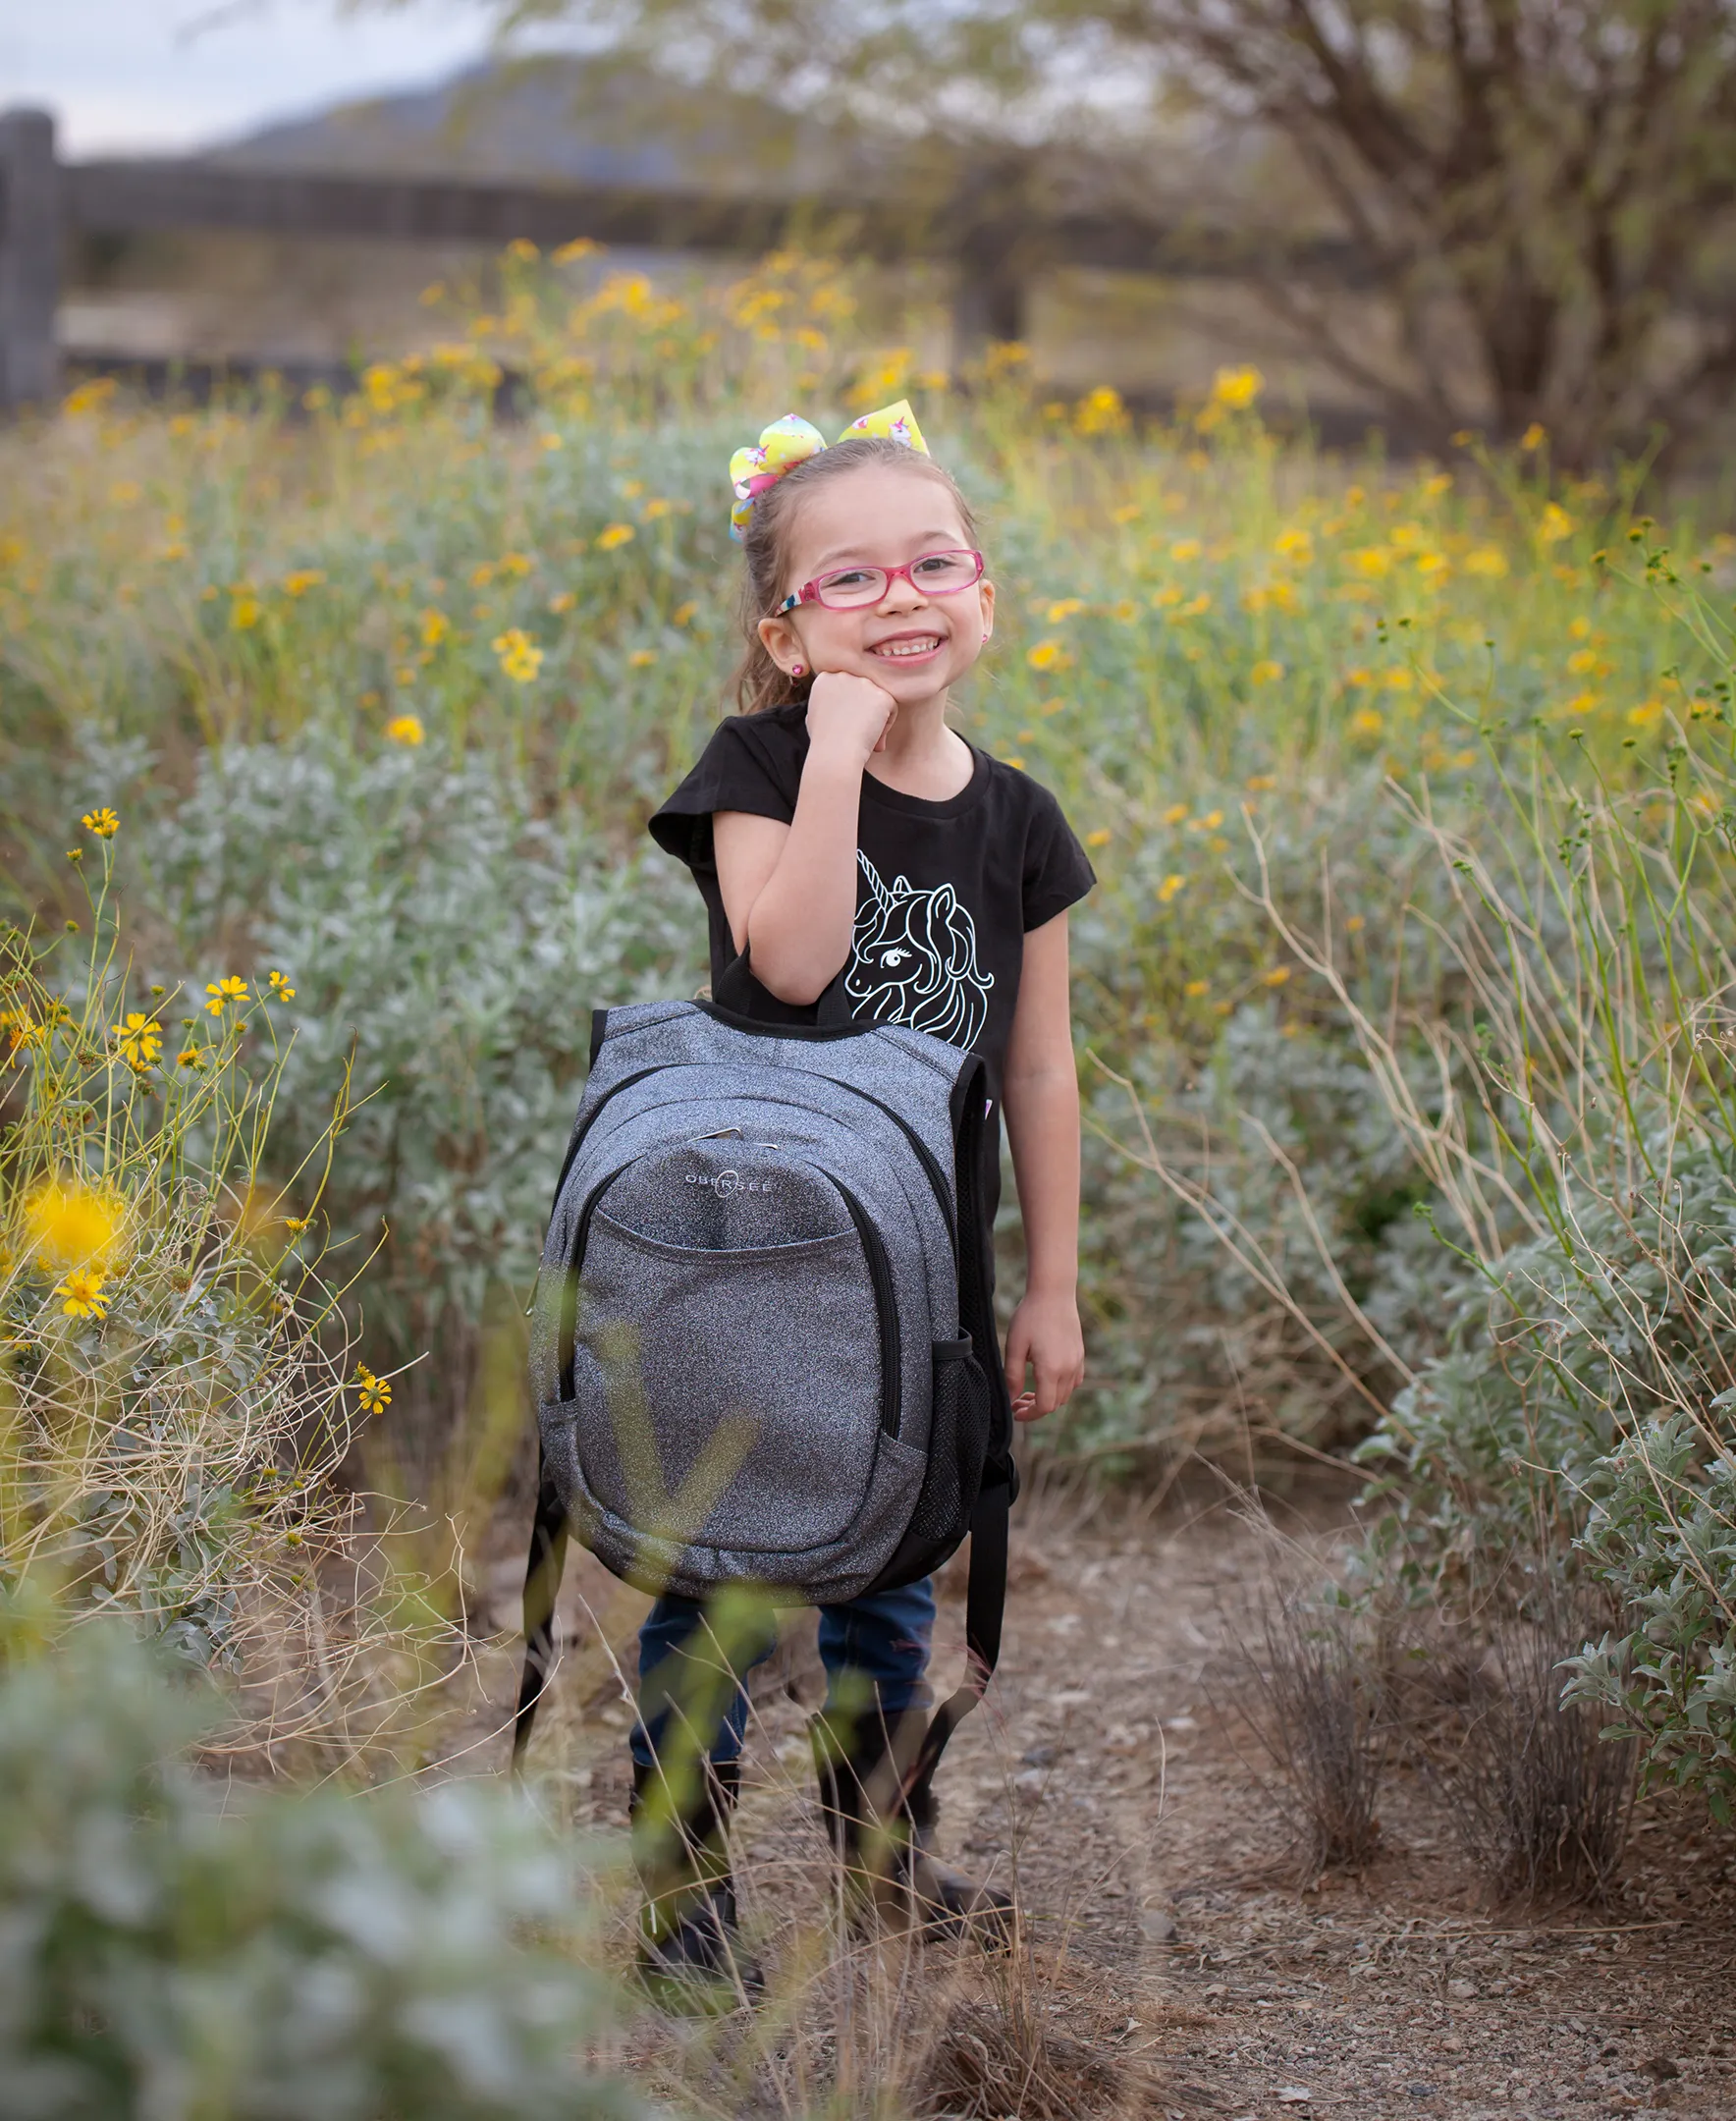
{"x":728,"y":1397}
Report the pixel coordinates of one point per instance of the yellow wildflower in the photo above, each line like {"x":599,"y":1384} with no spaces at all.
{"x":1294,"y":545}
{"x":243,"y":612}
{"x":1373,"y":561}
{"x":1355,"y":924}
{"x":1047,"y":655}
{"x":1235,"y":388}
{"x":1534,"y":436}
{"x":1195,"y":608}
{"x":137,"y":1040}
{"x":515,"y":563}
{"x":1648,"y":712}
{"x":1185,"y":549}
{"x":1554,"y":524}
{"x":655,"y":510}
{"x":1368,"y":721}
{"x":103,"y":823}
{"x":436,"y":626}
{"x":84,"y":1295}
{"x":280,"y":986}
{"x":1100,"y":838}
{"x":1275,"y":977}
{"x":191,"y":1057}
{"x":301,"y":581}
{"x":616,"y":535}
{"x":223,"y":991}
{"x":294,"y":1224}
{"x":1101,"y":412}
{"x":1129,"y":512}
{"x":407,"y":729}
{"x":71,"y":1226}
{"x":1486,"y":559}
{"x":1208,"y":823}
{"x":375,"y":1393}
{"x":1176,"y":813}
{"x":562,"y":601}
{"x":642,"y":658}
{"x":521,"y":657}
{"x":683,"y":614}
{"x":1265,"y":671}
{"x":1170,"y":885}
{"x":1259,"y":783}
{"x":1065,"y":608}
{"x":1195,"y":988}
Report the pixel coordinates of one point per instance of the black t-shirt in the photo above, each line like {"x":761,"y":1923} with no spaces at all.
{"x":946,"y":890}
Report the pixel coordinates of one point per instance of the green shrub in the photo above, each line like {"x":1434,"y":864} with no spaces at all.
{"x":448,"y":935}
{"x":168,"y":1953}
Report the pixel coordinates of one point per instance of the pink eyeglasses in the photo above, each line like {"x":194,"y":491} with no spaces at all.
{"x":935,"y":573}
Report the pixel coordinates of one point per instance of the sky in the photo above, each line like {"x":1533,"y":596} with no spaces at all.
{"x":163,"y":75}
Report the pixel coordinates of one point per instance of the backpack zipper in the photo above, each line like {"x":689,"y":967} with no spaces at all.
{"x":880,"y":1272}
{"x":937,"y":1178}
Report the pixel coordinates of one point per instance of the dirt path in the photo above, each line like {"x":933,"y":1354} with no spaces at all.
{"x":1110,"y":1779}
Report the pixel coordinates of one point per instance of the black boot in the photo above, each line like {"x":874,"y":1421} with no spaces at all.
{"x":690,"y":1956}
{"x":884,"y":1838}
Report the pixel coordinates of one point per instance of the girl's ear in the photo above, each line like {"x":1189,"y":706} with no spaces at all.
{"x":782,"y":642}
{"x":986,"y":591}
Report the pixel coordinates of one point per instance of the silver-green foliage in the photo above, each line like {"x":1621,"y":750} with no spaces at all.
{"x":360,"y":1958}
{"x":448,"y":933}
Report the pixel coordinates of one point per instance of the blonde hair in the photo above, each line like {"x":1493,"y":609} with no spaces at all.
{"x":759,"y":682}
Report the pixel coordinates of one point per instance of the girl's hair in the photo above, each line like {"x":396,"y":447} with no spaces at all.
{"x":759,"y":682}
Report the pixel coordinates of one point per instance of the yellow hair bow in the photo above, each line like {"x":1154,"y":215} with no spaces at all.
{"x":758,"y":466}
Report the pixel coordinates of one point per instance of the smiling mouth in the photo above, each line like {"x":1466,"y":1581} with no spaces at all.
{"x":909,"y":646}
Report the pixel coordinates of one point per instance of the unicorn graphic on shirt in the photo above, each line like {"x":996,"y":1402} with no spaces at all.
{"x":913,"y":960}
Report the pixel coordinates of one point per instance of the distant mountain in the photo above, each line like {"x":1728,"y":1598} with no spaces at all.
{"x":561,"y":119}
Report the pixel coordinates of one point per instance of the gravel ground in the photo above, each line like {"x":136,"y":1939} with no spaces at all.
{"x":1111,"y":1781}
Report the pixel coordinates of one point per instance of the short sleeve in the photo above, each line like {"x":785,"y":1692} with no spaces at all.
{"x":751,"y":764}
{"x":1057,"y":872}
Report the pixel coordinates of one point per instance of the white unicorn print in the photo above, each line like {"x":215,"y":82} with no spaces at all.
{"x":913,"y":960}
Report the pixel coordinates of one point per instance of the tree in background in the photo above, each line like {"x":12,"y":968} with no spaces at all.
{"x":1538,"y":192}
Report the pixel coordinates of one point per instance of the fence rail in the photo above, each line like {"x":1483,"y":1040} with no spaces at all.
{"x":993,"y":246}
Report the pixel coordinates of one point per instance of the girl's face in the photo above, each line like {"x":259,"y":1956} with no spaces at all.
{"x":912,"y":645}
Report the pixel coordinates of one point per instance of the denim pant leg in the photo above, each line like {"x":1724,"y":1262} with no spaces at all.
{"x":886,"y":1638}
{"x":687,"y":1670}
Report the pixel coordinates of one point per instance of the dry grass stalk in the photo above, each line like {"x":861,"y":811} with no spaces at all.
{"x":1540,"y":1801}
{"x":1320,"y":1712}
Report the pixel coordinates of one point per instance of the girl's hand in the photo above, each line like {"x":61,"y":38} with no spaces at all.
{"x":848,"y":716}
{"x":1044,"y":1333}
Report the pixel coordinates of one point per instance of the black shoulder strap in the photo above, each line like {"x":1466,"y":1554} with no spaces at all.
{"x":985,"y":1595}
{"x":542,"y":1580}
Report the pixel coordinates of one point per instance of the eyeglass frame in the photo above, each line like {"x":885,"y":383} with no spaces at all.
{"x":809,"y":592}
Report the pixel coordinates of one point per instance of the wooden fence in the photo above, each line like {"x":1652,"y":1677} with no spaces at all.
{"x":993,"y":246}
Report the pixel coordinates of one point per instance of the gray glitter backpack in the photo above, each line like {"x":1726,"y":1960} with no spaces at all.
{"x":763,"y":1345}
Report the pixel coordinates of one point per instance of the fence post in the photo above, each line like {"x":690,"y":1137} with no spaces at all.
{"x":29,"y":259}
{"x":992,"y":222}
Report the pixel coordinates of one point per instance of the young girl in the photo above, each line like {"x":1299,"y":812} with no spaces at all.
{"x":835,"y":826}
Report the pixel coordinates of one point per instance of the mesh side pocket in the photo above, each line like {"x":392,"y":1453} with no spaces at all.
{"x":958,"y":1444}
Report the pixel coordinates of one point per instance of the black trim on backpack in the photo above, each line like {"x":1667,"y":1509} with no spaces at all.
{"x":738,"y":994}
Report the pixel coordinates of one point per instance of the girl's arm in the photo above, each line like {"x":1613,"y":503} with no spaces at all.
{"x":789,"y":890}
{"x":1041,"y":1097}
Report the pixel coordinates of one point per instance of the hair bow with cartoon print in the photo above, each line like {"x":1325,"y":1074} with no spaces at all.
{"x":788,"y":441}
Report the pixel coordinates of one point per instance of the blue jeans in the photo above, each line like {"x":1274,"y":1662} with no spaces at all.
{"x":692,"y":1670}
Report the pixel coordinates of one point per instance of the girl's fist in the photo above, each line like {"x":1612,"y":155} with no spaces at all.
{"x":848,"y":716}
